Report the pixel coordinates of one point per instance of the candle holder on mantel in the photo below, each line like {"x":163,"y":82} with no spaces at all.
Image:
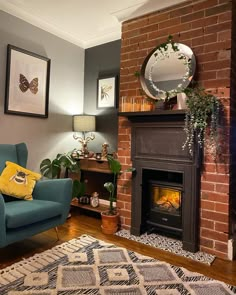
{"x":136,"y":104}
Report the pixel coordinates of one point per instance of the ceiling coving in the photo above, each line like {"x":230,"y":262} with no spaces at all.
{"x":84,"y":23}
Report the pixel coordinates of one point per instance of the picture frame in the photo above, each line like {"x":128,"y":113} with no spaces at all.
{"x":107,"y":88}
{"x":27,"y":83}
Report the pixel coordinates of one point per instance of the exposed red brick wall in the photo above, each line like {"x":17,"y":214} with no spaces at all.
{"x":206,"y":27}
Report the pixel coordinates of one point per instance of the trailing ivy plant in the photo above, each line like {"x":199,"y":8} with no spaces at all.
{"x":201,"y":119}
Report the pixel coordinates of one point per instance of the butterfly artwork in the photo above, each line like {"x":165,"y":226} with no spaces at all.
{"x":24,"y":84}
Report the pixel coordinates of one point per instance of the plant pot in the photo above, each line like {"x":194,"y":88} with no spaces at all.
{"x":109,"y":223}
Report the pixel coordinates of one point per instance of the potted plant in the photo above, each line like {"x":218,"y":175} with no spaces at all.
{"x":53,"y":168}
{"x":110,"y":218}
{"x":201,"y":119}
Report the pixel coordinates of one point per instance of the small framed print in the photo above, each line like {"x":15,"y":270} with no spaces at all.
{"x":27,"y":83}
{"x":107,"y":92}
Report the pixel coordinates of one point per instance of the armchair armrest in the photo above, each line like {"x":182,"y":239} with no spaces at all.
{"x":2,"y":222}
{"x":57,"y":190}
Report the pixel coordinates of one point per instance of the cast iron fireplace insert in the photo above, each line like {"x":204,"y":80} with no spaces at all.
{"x":156,"y":145}
{"x":162,"y":201}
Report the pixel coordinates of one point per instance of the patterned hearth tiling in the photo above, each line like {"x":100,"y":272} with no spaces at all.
{"x":167,"y":244}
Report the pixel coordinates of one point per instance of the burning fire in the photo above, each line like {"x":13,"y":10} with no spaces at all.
{"x":166,"y":199}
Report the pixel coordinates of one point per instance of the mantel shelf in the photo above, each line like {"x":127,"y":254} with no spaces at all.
{"x":156,"y":114}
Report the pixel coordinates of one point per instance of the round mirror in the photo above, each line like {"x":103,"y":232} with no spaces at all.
{"x":167,"y":70}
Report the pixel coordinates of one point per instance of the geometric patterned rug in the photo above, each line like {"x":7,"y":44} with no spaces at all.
{"x":167,"y":244}
{"x":90,"y":266}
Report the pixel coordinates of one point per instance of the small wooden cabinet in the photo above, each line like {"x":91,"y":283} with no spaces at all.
{"x":95,"y":173}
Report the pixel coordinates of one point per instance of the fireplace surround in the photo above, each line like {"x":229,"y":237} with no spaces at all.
{"x":156,"y":141}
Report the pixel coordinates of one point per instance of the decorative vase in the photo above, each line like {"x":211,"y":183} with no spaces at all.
{"x":181,"y":101}
{"x":109,"y":223}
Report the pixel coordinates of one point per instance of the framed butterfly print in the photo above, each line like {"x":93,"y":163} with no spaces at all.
{"x":27,"y":83}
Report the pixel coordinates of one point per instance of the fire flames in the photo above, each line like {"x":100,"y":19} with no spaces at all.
{"x":167,"y":199}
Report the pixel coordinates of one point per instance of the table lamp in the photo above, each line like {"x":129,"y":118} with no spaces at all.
{"x":84,"y":124}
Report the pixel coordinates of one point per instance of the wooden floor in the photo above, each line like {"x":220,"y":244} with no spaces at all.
{"x":80,"y":224}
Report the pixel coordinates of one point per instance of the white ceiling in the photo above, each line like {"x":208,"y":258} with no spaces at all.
{"x":85,"y":23}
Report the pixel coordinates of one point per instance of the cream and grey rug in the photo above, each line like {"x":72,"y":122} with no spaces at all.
{"x":89,"y":266}
{"x":167,"y":244}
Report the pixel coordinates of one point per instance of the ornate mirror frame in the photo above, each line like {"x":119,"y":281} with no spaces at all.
{"x":167,"y":70}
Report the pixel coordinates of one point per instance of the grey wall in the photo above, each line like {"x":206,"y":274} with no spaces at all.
{"x":44,"y":137}
{"x":101,"y":60}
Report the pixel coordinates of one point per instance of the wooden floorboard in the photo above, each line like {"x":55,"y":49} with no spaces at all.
{"x":80,"y":223}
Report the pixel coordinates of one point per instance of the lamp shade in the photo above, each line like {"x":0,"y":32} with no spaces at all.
{"x":84,"y":123}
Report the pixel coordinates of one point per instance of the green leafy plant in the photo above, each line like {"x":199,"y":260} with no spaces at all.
{"x":201,"y":119}
{"x":52,"y":169}
{"x":111,"y":187}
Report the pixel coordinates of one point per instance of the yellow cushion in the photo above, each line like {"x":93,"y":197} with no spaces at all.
{"x":17,"y":181}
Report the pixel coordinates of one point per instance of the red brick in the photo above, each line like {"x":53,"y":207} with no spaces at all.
{"x":156,"y":18}
{"x":123,"y":137}
{"x":214,"y":216}
{"x":191,"y":33}
{"x":205,"y":22}
{"x":222,"y":188}
{"x":123,"y":197}
{"x":223,"y":74}
{"x":214,"y":252}
{"x":216,"y":65}
{"x":204,"y":4}
{"x":215,"y":196}
{"x":181,"y":11}
{"x":169,"y":23}
{"x":120,"y":205}
{"x":226,"y":16}
{"x":222,"y":168}
{"x":216,"y":83}
{"x":124,"y":213}
{"x":127,"y":222}
{"x":138,"y":23}
{"x":218,"y":9}
{"x":209,"y":224}
{"x":218,"y":27}
{"x":206,"y":242}
{"x":226,"y":54}
{"x":207,"y":186}
{"x":224,"y":208}
{"x":180,"y":28}
{"x":218,"y":46}
{"x":225,"y":35}
{"x":192,"y":16}
{"x":128,"y":206}
{"x":209,"y":167}
{"x":221,"y":227}
{"x":207,"y":205}
{"x":210,"y":234}
{"x":217,"y":178}
{"x":154,"y":36}
{"x":133,"y":33}
{"x":222,"y":247}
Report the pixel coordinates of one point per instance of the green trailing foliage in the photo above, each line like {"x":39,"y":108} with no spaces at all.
{"x":201,"y":119}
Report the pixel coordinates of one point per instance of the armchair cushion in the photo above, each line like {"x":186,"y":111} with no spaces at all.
{"x":17,"y":181}
{"x":24,"y":213}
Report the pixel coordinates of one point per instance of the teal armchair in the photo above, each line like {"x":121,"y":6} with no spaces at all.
{"x":20,"y":219}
